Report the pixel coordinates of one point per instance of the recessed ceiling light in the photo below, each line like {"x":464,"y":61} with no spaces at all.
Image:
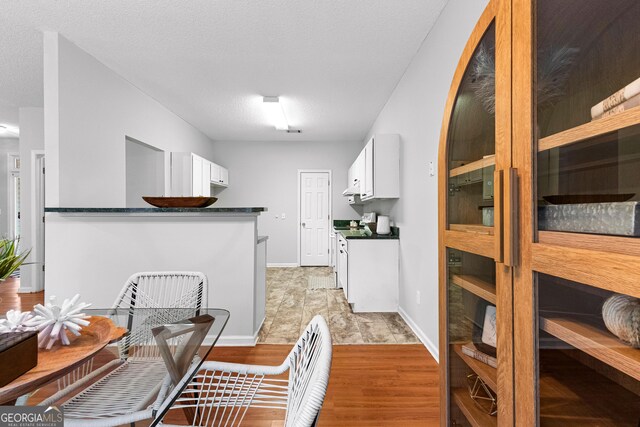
{"x":274,"y":110}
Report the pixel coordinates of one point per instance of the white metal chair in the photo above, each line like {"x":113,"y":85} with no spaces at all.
{"x":221,"y":393}
{"x":137,"y":382}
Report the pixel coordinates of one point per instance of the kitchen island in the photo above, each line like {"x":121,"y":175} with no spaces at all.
{"x":93,"y":251}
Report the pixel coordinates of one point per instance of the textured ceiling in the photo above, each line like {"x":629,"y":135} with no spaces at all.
{"x":334,"y":63}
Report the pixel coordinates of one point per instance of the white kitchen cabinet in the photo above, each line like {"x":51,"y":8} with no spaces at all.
{"x":351,"y":174}
{"x":370,"y":270}
{"x":196,"y":176}
{"x":342,"y":260}
{"x":224,"y":176}
{"x":190,"y":175}
{"x":215,"y":173}
{"x":366,"y":186}
{"x":219,"y":175}
{"x":380,"y":170}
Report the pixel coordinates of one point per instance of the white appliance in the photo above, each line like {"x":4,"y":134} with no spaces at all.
{"x":368,"y":217}
{"x":383,"y":226}
{"x":343,"y":266}
{"x":332,"y":249}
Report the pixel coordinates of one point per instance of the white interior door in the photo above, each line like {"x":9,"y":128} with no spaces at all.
{"x":314,"y":218}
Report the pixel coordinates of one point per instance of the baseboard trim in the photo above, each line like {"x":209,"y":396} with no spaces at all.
{"x":282,"y":264}
{"x":433,"y":349}
{"x":234,"y":341}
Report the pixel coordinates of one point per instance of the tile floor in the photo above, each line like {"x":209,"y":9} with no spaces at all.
{"x":291,"y":305}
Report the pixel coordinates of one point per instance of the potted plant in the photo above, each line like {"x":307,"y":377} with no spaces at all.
{"x":10,"y":258}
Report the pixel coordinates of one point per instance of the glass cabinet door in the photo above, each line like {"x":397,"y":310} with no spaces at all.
{"x":472,"y":333}
{"x":471,"y":273}
{"x":471,"y":144}
{"x":585,"y":252}
{"x":589,"y":362}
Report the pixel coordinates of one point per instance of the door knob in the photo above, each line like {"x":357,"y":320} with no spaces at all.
{"x":304,"y":224}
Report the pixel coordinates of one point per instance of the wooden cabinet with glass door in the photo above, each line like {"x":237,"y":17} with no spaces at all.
{"x":577,"y":326}
{"x":475,"y":284}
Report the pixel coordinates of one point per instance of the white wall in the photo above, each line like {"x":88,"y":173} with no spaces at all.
{"x":89,"y":111}
{"x":31,"y":139}
{"x":7,"y":145}
{"x":415,"y":111}
{"x":266,"y":174}
{"x":145,"y":172}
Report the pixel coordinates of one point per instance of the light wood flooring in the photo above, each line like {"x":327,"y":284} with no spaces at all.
{"x":370,"y":385}
{"x":291,"y":305}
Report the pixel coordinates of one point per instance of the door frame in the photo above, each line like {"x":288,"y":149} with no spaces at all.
{"x":11,"y":196}
{"x":299,"y":218}
{"x":37,"y":205}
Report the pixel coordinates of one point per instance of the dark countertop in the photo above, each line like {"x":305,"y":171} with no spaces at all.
{"x":159,"y":211}
{"x":362,"y":234}
{"x":342,"y":226}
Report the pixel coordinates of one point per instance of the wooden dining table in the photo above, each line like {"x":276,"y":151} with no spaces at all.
{"x":63,"y":359}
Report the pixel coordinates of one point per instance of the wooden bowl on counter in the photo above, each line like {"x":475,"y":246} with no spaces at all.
{"x":180,"y":202}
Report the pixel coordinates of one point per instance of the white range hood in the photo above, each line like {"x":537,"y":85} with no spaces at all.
{"x":351,"y":191}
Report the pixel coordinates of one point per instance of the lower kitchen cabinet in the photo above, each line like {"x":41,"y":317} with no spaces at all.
{"x":368,"y":271}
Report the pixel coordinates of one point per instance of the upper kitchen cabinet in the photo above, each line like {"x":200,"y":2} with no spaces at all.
{"x":379,"y":168}
{"x":193,"y":175}
{"x":219,"y":175}
{"x":190,"y":175}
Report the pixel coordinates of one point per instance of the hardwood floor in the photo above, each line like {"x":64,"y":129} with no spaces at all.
{"x":370,"y":385}
{"x":10,"y":299}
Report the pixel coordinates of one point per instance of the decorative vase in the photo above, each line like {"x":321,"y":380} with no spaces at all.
{"x":621,"y":315}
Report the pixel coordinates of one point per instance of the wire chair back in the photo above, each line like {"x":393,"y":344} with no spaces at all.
{"x":309,"y":368}
{"x":220,"y":394}
{"x":174,"y":296}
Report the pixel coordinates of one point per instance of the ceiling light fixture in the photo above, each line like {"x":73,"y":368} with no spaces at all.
{"x":274,"y":110}
{"x":4,"y":129}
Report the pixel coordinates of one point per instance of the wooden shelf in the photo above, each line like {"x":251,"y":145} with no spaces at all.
{"x":572,"y":394}
{"x":472,"y":228}
{"x":488,"y":374}
{"x":590,"y":130}
{"x":617,"y":272}
{"x":480,"y":244}
{"x":588,"y":333}
{"x":476,"y":285}
{"x":596,"y":242}
{"x":475,"y":415}
{"x":473,"y":166}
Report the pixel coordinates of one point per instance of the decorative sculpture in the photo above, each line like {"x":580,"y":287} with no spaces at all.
{"x":621,"y":315}
{"x":16,"y":321}
{"x":53,"y":321}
